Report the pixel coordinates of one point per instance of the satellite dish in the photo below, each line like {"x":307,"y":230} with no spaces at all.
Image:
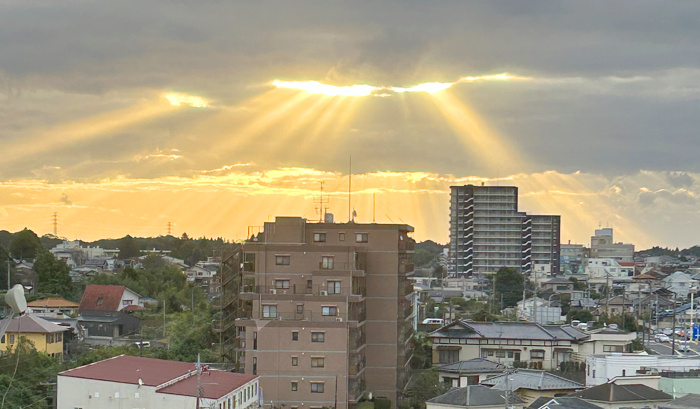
{"x":140,"y":382}
{"x":15,"y":299}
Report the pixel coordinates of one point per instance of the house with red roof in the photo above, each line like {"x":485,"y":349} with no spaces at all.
{"x":106,"y":311}
{"x":136,"y":382}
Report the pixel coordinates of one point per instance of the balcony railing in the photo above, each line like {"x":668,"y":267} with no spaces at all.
{"x":315,"y":289}
{"x":311,"y":316}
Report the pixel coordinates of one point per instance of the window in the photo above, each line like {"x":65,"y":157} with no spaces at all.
{"x":327,"y":263}
{"x":330,"y":311}
{"x":318,"y":362}
{"x":510,"y":354}
{"x":255,"y":365}
{"x":269,"y":311}
{"x":295,"y":361}
{"x":361,"y":237}
{"x":316,"y":387}
{"x":295,"y":335}
{"x":318,"y":337}
{"x":295,"y":386}
{"x":334,"y":287}
{"x":613,"y":348}
{"x":319,"y":237}
{"x":12,"y":339}
{"x":100,"y":300}
{"x":500,"y":354}
{"x":341,"y":236}
{"x":49,"y":338}
{"x":449,"y":356}
{"x":300,"y":308}
{"x":281,"y":283}
{"x":537,"y":354}
{"x":127,"y":302}
{"x":283,"y":260}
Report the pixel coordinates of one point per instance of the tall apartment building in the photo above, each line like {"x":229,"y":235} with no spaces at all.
{"x":330,"y":311}
{"x":603,"y":246}
{"x":488,"y":232}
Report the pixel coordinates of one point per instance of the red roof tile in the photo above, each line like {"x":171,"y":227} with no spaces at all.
{"x":102,"y":297}
{"x":53,"y":302}
{"x":133,"y":307}
{"x":129,"y":369}
{"x":215,"y":384}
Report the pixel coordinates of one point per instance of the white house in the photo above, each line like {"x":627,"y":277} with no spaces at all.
{"x":136,"y":382}
{"x":603,"y":268}
{"x":679,"y":283}
{"x":600,"y":368}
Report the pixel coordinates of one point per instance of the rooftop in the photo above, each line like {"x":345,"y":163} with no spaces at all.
{"x":29,"y":323}
{"x":474,"y":395}
{"x":531,"y":379}
{"x":509,"y":330}
{"x":472,"y":366}
{"x":563,"y":402}
{"x":611,"y":392}
{"x":102,"y":297}
{"x":215,"y":384}
{"x":53,"y":303}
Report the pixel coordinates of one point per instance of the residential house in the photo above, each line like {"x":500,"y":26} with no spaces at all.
{"x":46,"y":336}
{"x":471,"y":372}
{"x":56,"y":305}
{"x":606,"y":340}
{"x":600,"y":368}
{"x":130,"y":381}
{"x":608,"y":268}
{"x":679,"y":283}
{"x":616,"y":305}
{"x":205,"y":277}
{"x":529,"y":384}
{"x":473,"y":396}
{"x":559,"y":285}
{"x":541,"y":346}
{"x":614,"y":396}
{"x":25,"y":275}
{"x":104,"y":311}
{"x":98,"y":264}
{"x":562,"y":402}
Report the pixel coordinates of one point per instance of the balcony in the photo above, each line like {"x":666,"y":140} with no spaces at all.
{"x":311,"y":316}
{"x":356,"y":364}
{"x":252,"y":292}
{"x":356,"y":269}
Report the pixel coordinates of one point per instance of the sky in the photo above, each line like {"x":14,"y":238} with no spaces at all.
{"x":215,"y":117}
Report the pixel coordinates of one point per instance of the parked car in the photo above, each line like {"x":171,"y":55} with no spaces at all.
{"x":437,"y":321}
{"x":683,"y":346}
{"x":662,"y":338}
{"x":667,"y":331}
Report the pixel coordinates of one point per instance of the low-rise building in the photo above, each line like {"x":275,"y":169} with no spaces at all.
{"x":540,"y":346}
{"x":130,"y":382}
{"x":615,"y":396}
{"x":46,"y":336}
{"x":678,"y":384}
{"x":529,"y":385}
{"x":607,"y":340}
{"x":470,"y":372}
{"x":57,"y":305}
{"x":473,"y":396}
{"x":600,"y":368}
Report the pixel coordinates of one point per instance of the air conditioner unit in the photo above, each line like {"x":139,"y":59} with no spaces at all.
{"x":324,"y":292}
{"x":273,"y":291}
{"x":339,"y":319}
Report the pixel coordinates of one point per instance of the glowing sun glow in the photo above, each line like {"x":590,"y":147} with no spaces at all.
{"x":429,"y":87}
{"x":315,"y":87}
{"x":178,"y":99}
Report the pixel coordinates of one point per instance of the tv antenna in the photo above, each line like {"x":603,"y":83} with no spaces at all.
{"x":321,"y":203}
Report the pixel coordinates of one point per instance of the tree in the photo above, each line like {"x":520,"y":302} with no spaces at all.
{"x":4,"y":258}
{"x":425,"y":385}
{"x":509,"y":285}
{"x":25,"y":244}
{"x":128,"y":248}
{"x":53,"y":275}
{"x":580,"y":315}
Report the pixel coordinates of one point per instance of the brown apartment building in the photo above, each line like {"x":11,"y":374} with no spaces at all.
{"x":330,"y":311}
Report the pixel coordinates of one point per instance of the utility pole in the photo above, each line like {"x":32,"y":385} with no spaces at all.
{"x":673,"y":334}
{"x":198,"y":367}
{"x":8,"y":275}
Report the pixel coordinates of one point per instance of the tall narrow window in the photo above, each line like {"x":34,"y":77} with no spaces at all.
{"x":327,"y":262}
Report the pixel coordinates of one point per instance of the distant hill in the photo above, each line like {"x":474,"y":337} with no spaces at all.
{"x":426,"y":253}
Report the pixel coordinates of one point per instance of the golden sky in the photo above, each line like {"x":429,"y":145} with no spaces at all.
{"x":217,"y":117}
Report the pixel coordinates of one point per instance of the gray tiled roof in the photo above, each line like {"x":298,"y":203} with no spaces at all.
{"x":689,"y":401}
{"x":474,"y":395}
{"x":610,"y":392}
{"x":531,"y":379}
{"x":509,"y":330}
{"x":476,"y":365}
{"x":564,"y":402}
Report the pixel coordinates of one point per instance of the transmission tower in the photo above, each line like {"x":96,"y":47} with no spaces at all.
{"x":321,"y":202}
{"x":55,"y":224}
{"x":170,"y":228}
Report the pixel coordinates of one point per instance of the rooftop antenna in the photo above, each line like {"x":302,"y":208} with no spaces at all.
{"x":350,"y":191}
{"x":321,"y":201}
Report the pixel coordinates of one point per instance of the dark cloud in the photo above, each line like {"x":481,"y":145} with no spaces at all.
{"x":65,"y":199}
{"x":680,"y":179}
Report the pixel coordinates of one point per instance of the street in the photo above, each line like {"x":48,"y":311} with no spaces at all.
{"x":665,"y":348}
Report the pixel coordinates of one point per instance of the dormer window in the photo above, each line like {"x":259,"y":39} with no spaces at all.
{"x":100,"y":300}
